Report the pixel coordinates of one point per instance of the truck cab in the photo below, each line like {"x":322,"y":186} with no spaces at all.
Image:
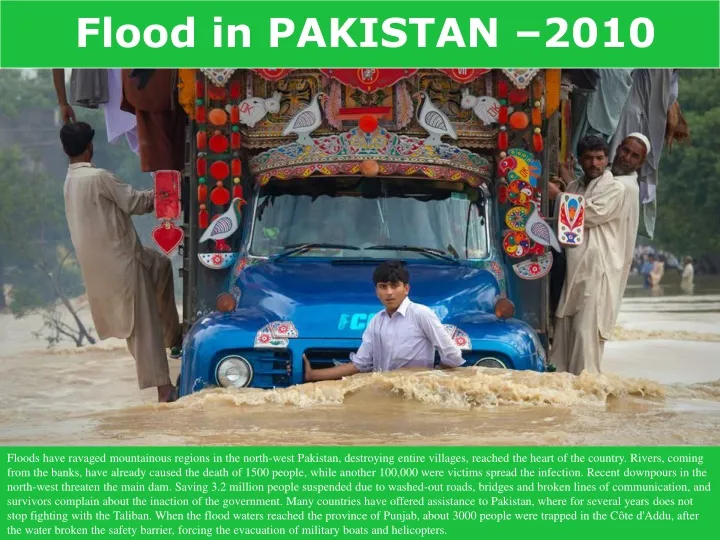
{"x":314,"y":222}
{"x":304,"y":285}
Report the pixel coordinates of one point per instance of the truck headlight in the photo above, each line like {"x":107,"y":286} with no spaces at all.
{"x":504,"y":308}
{"x":234,"y":371}
{"x":225,"y":303}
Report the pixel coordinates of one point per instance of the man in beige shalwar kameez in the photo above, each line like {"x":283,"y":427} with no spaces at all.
{"x":590,"y":298}
{"x":629,"y":158}
{"x":129,"y":287}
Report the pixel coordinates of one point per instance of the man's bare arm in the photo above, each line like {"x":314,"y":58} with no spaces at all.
{"x":66,"y":110}
{"x":337,"y":372}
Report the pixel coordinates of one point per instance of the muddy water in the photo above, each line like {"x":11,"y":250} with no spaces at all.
{"x":662,"y":386}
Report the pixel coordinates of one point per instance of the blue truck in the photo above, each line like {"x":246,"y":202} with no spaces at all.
{"x":286,"y":262}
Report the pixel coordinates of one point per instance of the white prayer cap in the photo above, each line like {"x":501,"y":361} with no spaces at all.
{"x":642,"y":138}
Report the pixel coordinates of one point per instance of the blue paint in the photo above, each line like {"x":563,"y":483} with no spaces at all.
{"x":331,"y":300}
{"x":355,"y":321}
{"x":331,"y":305}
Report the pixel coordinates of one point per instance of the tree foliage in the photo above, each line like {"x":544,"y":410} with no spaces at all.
{"x":36,"y":257}
{"x":688,"y":190}
{"x":37,"y":253}
{"x":20,"y":91}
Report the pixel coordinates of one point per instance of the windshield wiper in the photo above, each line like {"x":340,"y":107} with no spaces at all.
{"x":299,"y":248}
{"x":427,"y":251}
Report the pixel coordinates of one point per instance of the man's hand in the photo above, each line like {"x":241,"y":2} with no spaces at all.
{"x":67,"y":113}
{"x":553,"y":190}
{"x":567,"y":171}
{"x":308,"y":369}
{"x":326,"y":374}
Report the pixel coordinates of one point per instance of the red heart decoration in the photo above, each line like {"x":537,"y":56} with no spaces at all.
{"x":168,"y":236}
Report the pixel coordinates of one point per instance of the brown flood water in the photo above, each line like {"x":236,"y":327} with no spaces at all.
{"x":662,"y":387}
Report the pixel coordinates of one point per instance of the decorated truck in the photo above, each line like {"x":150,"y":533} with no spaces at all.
{"x":299,"y":182}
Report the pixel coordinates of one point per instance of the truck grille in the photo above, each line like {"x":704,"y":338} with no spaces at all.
{"x":269,"y":367}
{"x":326,"y":358}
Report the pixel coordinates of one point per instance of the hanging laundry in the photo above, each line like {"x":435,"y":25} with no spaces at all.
{"x":89,"y":87}
{"x":646,"y":111}
{"x":598,"y":112}
{"x":152,"y":96}
{"x":119,"y":123}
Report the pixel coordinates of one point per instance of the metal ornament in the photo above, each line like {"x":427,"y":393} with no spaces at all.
{"x":225,"y":225}
{"x":540,"y":231}
{"x":571,"y":219}
{"x":254,"y":109}
{"x":516,"y":244}
{"x":217,"y":261}
{"x":460,"y":337}
{"x":535,"y":268}
{"x":521,"y":78}
{"x":168,"y":236}
{"x":306,"y":121}
{"x":433,"y":120}
{"x":486,"y":108}
{"x":276,"y":335}
{"x":219,"y":77}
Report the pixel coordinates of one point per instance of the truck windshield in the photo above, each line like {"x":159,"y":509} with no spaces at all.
{"x":345,"y":217}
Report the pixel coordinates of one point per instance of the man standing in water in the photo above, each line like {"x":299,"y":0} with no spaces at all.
{"x":404,"y":334}
{"x":629,"y":159}
{"x":129,"y":287}
{"x":596,"y":269}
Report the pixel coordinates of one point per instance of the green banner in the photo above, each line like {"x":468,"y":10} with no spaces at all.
{"x":371,"y":33}
{"x":267,"y":492}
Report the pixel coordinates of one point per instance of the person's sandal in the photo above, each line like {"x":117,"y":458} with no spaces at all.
{"x":176,"y":352}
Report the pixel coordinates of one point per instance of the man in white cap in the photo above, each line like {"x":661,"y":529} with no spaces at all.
{"x":629,"y":158}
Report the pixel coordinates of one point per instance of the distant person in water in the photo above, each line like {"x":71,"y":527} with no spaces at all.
{"x":129,"y":287}
{"x":658,"y":271}
{"x":646,"y":269}
{"x":404,"y":334}
{"x":688,"y":276}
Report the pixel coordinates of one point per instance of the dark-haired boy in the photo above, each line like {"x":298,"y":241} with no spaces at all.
{"x":402,"y":335}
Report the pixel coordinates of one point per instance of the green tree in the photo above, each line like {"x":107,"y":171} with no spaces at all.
{"x":32,"y":171}
{"x":37,"y":255}
{"x":21,"y":90}
{"x":688,"y":195}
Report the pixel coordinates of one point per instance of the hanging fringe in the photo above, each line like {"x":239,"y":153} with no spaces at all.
{"x":676,"y":128}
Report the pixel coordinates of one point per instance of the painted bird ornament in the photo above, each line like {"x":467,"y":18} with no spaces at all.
{"x":540,"y":231}
{"x":433,"y":120}
{"x":517,"y":167}
{"x":225,"y":225}
{"x":306,"y":120}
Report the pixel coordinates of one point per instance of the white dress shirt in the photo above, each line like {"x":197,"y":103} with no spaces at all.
{"x":407,"y":339}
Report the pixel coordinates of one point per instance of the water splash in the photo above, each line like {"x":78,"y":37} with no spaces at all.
{"x":468,"y":388}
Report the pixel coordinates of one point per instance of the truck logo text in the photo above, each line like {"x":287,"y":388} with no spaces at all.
{"x":354,"y":321}
{"x":359,"y":321}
